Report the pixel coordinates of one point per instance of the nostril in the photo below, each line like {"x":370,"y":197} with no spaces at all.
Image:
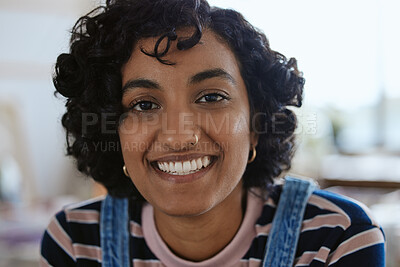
{"x":178,"y":142}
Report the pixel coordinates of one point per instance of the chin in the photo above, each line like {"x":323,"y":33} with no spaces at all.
{"x":185,"y":210}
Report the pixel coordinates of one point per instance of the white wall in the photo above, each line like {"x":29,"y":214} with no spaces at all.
{"x":33,"y":33}
{"x":348,"y":50}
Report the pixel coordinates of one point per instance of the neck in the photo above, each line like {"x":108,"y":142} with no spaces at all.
{"x":200,"y":237}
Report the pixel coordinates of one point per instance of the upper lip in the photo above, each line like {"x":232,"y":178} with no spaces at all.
{"x":180,"y":157}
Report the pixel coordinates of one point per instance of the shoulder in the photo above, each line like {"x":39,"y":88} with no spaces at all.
{"x":338,"y":230}
{"x":343,"y":210}
{"x":86,"y":212}
{"x":78,"y":214}
{"x":335,"y":231}
{"x":327,"y":207}
{"x":73,"y":234}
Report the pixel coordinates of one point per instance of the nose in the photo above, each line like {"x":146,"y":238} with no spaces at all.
{"x":179,"y":131}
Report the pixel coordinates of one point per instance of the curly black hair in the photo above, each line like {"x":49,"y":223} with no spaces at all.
{"x":89,"y":76}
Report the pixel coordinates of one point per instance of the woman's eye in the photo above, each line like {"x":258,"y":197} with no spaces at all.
{"x":145,"y":105}
{"x":211,"y":98}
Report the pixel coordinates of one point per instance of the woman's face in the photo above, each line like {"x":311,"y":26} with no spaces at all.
{"x":203,"y":94}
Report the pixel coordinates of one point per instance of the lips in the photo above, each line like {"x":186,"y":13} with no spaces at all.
{"x":184,"y":167}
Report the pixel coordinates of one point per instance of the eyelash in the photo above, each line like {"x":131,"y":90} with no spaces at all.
{"x":141,"y":101}
{"x":220,"y":95}
{"x":138,"y":102}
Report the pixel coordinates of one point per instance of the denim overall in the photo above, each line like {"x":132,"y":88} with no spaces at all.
{"x":282,"y":240}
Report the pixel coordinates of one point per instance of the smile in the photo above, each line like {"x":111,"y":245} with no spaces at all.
{"x":184,"y":167}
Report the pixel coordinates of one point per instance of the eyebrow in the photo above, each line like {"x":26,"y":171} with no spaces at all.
{"x":142,"y":83}
{"x":195,"y":79}
{"x":211,"y":73}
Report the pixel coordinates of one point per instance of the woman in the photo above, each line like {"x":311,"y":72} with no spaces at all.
{"x":180,"y":111}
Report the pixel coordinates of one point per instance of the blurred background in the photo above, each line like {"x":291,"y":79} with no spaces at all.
{"x":348,"y":135}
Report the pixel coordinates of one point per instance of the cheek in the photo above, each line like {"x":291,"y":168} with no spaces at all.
{"x":234,"y":140}
{"x":133,"y":149}
{"x":230,"y":121}
{"x":230,"y":127}
{"x":136,"y":135}
{"x":134,"y":146}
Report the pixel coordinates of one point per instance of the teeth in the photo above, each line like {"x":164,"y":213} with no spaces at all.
{"x":161,"y":166}
{"x":199,"y":163}
{"x":193,"y":165}
{"x":206,"y":161}
{"x":178,"y":166}
{"x":166,"y":166}
{"x":185,"y":167}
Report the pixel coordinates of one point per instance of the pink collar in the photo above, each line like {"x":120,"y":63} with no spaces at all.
{"x":229,"y":256}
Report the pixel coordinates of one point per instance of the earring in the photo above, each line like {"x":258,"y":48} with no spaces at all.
{"x":253,"y":155}
{"x":196,"y":140}
{"x":125,"y":171}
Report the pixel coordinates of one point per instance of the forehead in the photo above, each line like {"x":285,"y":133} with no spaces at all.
{"x":209,"y":53}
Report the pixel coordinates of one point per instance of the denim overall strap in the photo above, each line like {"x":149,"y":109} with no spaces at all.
{"x":284,"y":235}
{"x":114,"y":232}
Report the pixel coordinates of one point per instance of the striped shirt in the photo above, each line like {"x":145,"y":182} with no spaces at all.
{"x":336,"y":231}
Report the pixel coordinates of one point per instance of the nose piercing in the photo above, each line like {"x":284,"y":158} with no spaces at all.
{"x":196,"y":140}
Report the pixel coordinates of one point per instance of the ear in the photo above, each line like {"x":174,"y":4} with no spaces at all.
{"x":254,"y":139}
